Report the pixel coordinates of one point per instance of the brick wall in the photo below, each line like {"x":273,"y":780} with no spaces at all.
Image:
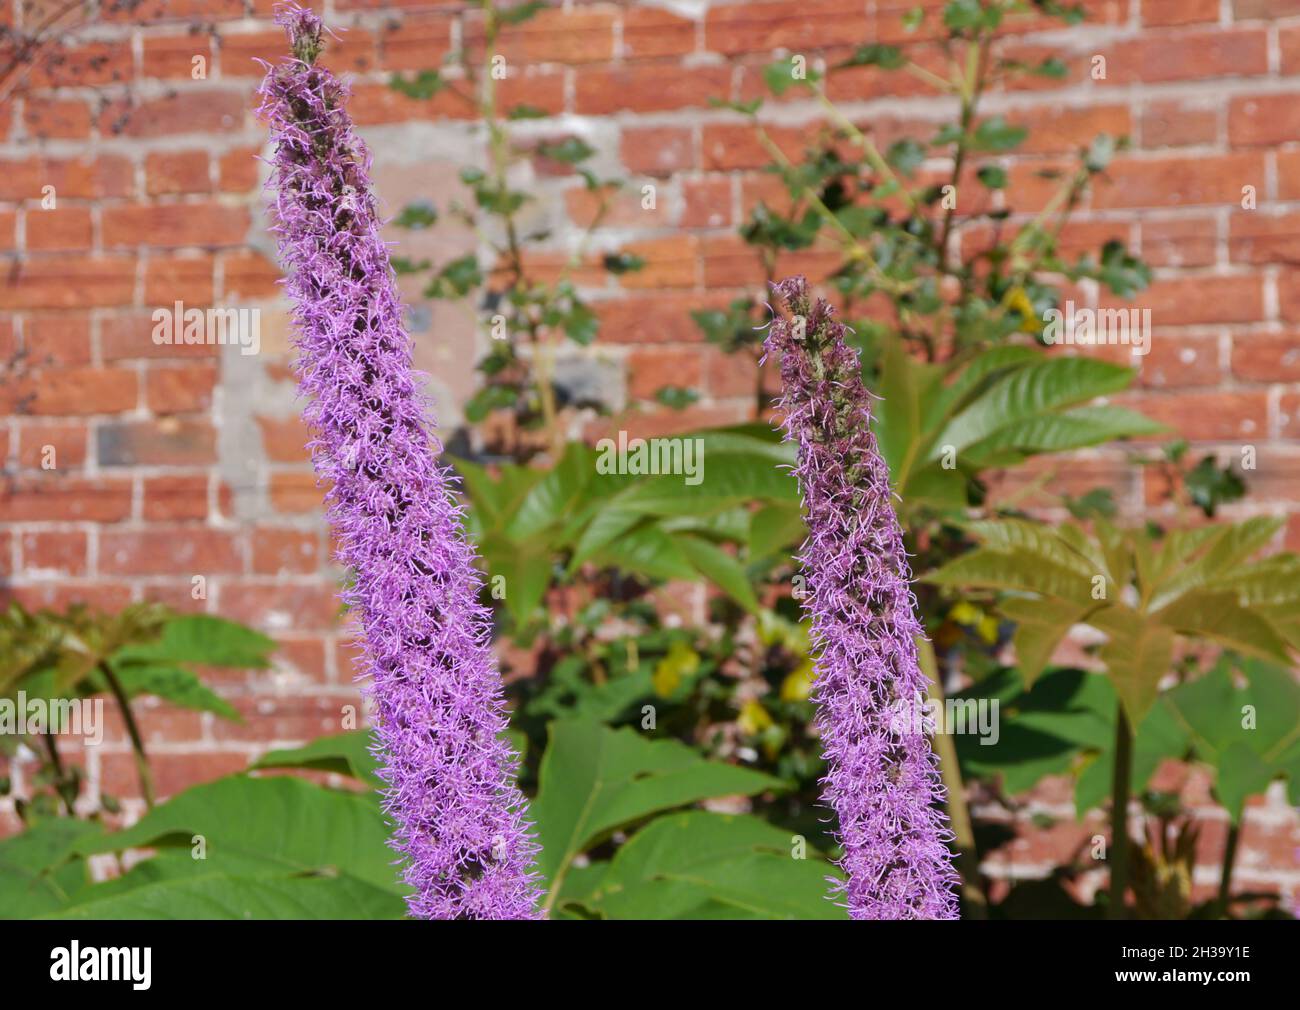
{"x":172,"y":462}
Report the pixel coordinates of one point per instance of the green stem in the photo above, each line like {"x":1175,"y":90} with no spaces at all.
{"x":975,"y":902}
{"x":1229,"y":864}
{"x":1119,"y":814}
{"x":133,"y":730}
{"x":60,"y":778}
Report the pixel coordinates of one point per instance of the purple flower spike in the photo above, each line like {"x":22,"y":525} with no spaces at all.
{"x":882,"y":779}
{"x":459,"y":818}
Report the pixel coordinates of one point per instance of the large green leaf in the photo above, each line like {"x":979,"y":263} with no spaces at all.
{"x":1138,"y":653}
{"x":31,"y":881}
{"x":1040,"y":626}
{"x":1020,"y":572}
{"x":301,"y":826}
{"x":594,"y":779}
{"x":720,"y":568}
{"x":199,"y":638}
{"x":167,"y":681}
{"x":223,"y":896}
{"x":1043,"y":387}
{"x":702,"y":865}
{"x":343,"y":753}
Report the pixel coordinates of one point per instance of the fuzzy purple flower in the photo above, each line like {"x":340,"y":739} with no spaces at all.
{"x":882,"y":780}
{"x":459,"y":818}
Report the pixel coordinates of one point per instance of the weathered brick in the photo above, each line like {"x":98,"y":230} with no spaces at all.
{"x":64,"y":229}
{"x":180,"y":390}
{"x":168,"y":441}
{"x":162,"y":550}
{"x":174,"y":172}
{"x":61,"y":553}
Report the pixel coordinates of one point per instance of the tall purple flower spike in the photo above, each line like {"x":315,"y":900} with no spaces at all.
{"x":882,"y":780}
{"x":459,"y":818}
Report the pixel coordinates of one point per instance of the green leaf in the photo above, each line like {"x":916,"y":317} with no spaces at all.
{"x":198,"y":638}
{"x":423,"y":86}
{"x":876,"y":55}
{"x":594,"y":779}
{"x":417,"y":216}
{"x":775,"y":529}
{"x":1138,"y":653}
{"x":221,"y":896}
{"x":988,"y":569}
{"x":1040,"y":626}
{"x":721,"y":569}
{"x":1041,"y":387}
{"x":29,"y":883}
{"x":301,"y":826}
{"x":704,"y":865}
{"x":996,"y":134}
{"x":171,"y":683}
{"x":570,"y":150}
{"x":342,"y":753}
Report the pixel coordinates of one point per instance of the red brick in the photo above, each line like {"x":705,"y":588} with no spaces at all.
{"x":238,"y":170}
{"x":1177,"y":123}
{"x":71,"y":392}
{"x":669,"y":263}
{"x":1263,"y":120}
{"x":177,"y":172}
{"x":1245,"y":10}
{"x":62,"y":339}
{"x":1184,"y":242}
{"x":81,"y":66}
{"x":1187,"y":300}
{"x":649,"y":32}
{"x":657,"y":150}
{"x":125,"y":337}
{"x":52,"y":552}
{"x":707,"y":203}
{"x":550,"y":36}
{"x":1266,"y":357}
{"x":175,"y":225}
{"x":1178,"y":182}
{"x":285,"y":552}
{"x":303,"y":656}
{"x":1209,"y":416}
{"x":1288,"y":39}
{"x":647,"y":88}
{"x":378,"y":103}
{"x":68,"y":440}
{"x":761,"y":27}
{"x":176,"y":497}
{"x":168,"y":441}
{"x":64,"y":229}
{"x":538,"y":89}
{"x":83,"y":178}
{"x":160,"y":550}
{"x":1178,"y":360}
{"x":191,"y":111}
{"x":1061,"y":129}
{"x":1258,"y":237}
{"x":1178,"y":12}
{"x":174,"y":772}
{"x":171,"y":57}
{"x":656,"y":318}
{"x":282,"y":607}
{"x":180,"y":390}
{"x":187,"y":279}
{"x":104,"y":597}
{"x":51,"y":496}
{"x":417,"y":42}
{"x":284,"y":439}
{"x":654,"y":369}
{"x":68,"y":282}
{"x":57,"y":119}
{"x":293,"y":493}
{"x":249,"y":275}
{"x":149,"y":11}
{"x":1157,"y":56}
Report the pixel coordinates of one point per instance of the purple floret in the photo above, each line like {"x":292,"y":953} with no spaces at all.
{"x":459,"y":819}
{"x":882,"y":779}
